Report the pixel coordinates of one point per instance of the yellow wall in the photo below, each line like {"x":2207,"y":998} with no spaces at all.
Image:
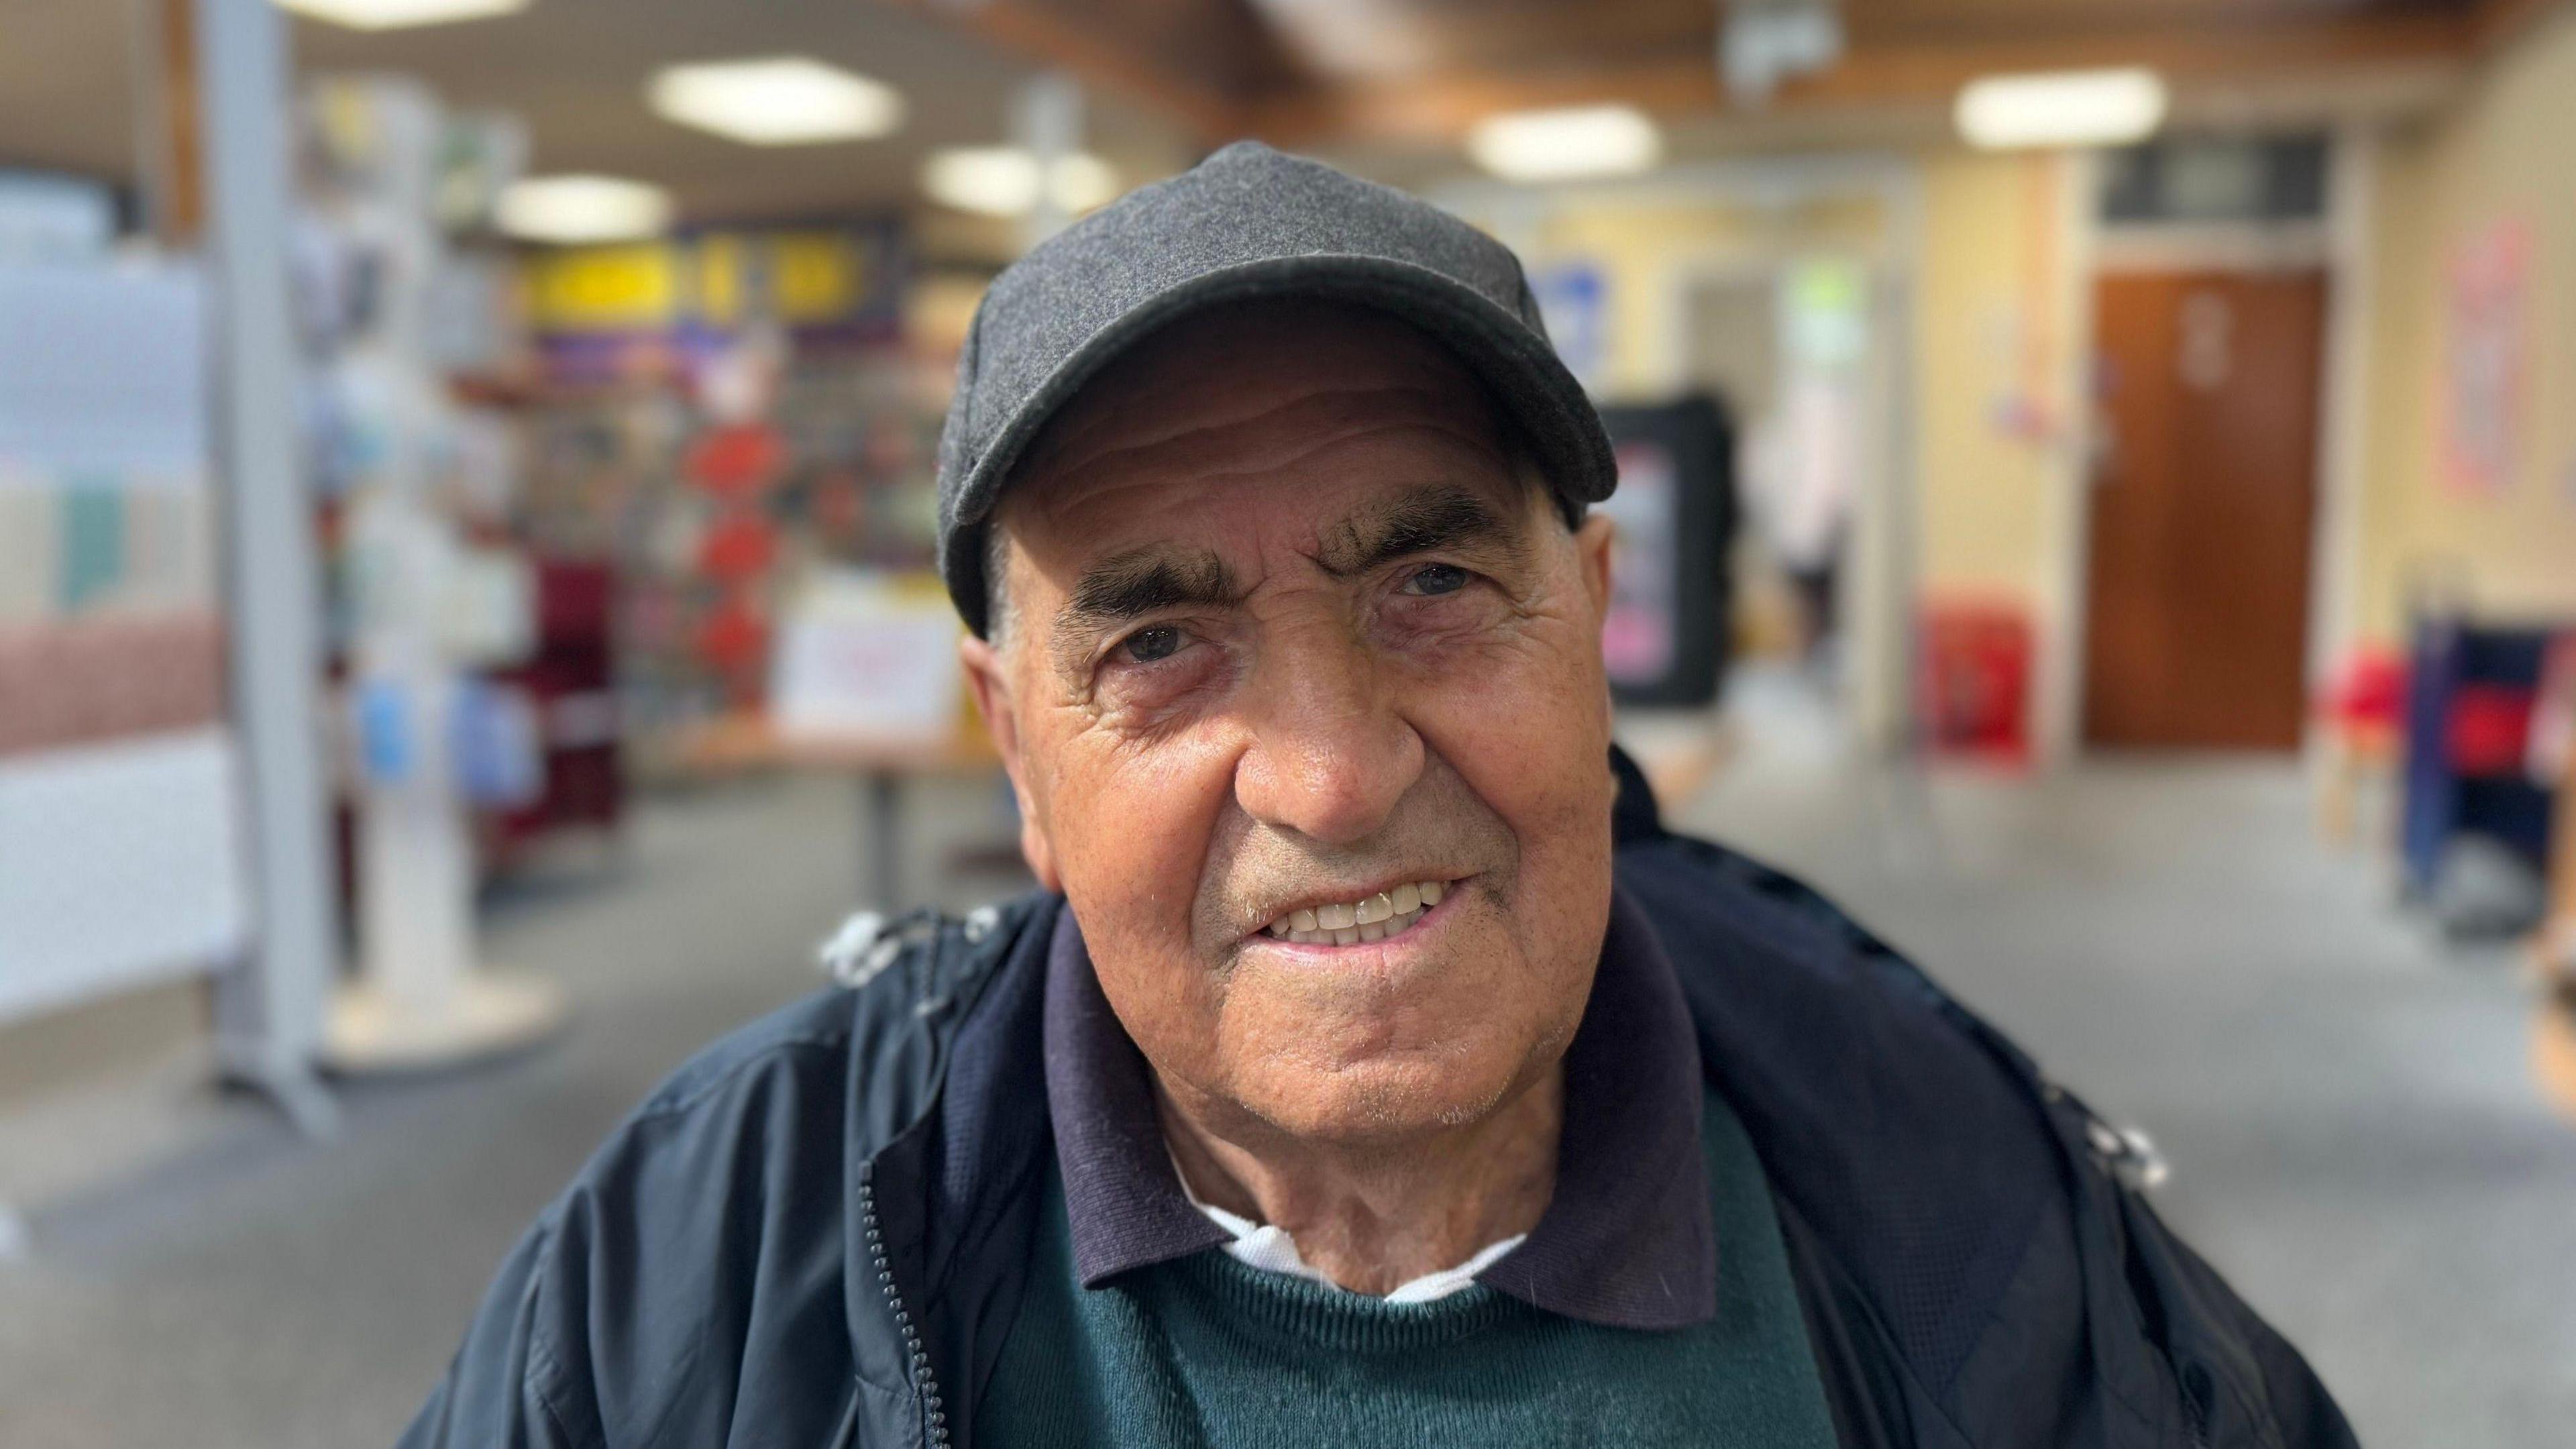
{"x":1991,"y":332}
{"x":2505,"y":155}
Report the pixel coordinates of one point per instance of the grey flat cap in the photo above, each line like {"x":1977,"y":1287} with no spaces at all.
{"x":1246,"y":222}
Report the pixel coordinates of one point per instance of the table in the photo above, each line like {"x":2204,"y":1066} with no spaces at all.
{"x":883,"y":766}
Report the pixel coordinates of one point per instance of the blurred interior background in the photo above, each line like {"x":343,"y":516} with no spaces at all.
{"x":2099,"y":480}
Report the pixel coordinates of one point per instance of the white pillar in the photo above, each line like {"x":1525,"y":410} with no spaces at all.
{"x":269,"y":1010}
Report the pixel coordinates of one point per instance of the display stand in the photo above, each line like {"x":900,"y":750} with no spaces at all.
{"x":421,"y":1002}
{"x":2469,"y":698}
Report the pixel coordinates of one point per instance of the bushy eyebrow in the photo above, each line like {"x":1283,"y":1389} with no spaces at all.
{"x":1420,"y":522}
{"x":1136,"y":583}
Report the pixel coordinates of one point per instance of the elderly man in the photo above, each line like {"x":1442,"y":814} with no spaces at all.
{"x":1372,"y":1066}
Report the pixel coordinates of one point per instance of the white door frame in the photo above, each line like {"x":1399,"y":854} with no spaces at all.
{"x":2340,"y":246}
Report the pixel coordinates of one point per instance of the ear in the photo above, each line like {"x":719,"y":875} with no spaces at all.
{"x":988,"y":675}
{"x":1593,"y":546}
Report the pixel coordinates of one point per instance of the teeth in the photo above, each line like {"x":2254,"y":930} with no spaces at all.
{"x":1374,"y":919}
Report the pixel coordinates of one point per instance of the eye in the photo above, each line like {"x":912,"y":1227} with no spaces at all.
{"x":1436,"y":579}
{"x":1152,"y":643}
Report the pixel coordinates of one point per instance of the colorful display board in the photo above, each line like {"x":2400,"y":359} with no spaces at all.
{"x":120,"y":801}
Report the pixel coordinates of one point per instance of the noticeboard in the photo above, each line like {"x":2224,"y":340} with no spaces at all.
{"x":120,"y":812}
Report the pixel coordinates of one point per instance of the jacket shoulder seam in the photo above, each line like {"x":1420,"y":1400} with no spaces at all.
{"x":653,"y":1111}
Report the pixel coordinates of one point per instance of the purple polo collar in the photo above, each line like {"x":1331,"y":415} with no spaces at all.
{"x":1627,"y":1241}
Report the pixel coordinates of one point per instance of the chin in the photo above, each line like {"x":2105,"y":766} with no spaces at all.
{"x":1390,"y":1099}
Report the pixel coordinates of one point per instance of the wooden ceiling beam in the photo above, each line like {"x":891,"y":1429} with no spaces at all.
{"x":1435,"y":109}
{"x":1917,"y":71}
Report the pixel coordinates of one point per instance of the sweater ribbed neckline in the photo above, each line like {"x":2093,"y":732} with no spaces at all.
{"x":1285,"y":1306}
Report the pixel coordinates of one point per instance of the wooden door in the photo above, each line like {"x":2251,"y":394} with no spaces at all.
{"x":2204,"y":488}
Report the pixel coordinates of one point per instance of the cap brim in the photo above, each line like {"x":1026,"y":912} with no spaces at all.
{"x":1537,"y":393}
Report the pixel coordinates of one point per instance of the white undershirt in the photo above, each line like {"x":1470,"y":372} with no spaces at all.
{"x":1268,"y":1247}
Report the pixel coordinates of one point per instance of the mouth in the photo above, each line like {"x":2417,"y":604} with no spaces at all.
{"x":1373,"y":917}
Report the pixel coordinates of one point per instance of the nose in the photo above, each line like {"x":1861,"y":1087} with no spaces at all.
{"x":1330,"y":752}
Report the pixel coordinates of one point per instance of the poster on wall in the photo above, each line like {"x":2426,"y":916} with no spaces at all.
{"x":2486,"y":358}
{"x":1574,"y":301}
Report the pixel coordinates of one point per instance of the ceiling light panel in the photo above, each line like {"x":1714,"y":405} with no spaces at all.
{"x":1566,"y":145}
{"x":572,"y":210}
{"x":788,"y":100}
{"x":1003,"y":180}
{"x":2061,"y":109}
{"x":400,"y":14}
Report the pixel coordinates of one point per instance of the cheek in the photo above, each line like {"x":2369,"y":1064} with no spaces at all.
{"x":1135,"y":819}
{"x":1130,"y":826}
{"x":1542,"y":764}
{"x":1525,"y":719}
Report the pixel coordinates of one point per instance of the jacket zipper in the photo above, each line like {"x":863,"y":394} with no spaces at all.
{"x":933,"y":1414}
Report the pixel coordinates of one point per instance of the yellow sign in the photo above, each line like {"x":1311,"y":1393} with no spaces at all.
{"x":605,"y":289}
{"x":800,"y":278}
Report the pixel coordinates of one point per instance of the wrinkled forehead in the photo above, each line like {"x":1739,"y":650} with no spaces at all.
{"x":1326,"y":396}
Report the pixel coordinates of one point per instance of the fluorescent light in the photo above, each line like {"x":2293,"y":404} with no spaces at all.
{"x":572,"y":209}
{"x":1566,"y":145}
{"x":1003,"y":180}
{"x":2062,"y":108}
{"x":396,"y":14}
{"x":782,"y":101}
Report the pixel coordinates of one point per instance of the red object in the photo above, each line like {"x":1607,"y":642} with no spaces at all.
{"x":737,"y":548}
{"x":2369,"y":692}
{"x":572,"y":681}
{"x":1975,"y":681}
{"x":2488,"y":730}
{"x":573,"y":600}
{"x":736,"y":461}
{"x":734,"y":642}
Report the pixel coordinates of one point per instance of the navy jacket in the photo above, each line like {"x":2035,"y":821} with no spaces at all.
{"x":816,"y":1233}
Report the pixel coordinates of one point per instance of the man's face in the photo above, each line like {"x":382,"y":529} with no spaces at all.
{"x":1286,"y":632}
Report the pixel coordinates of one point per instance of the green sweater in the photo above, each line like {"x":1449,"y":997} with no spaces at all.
{"x":1208,"y":1351}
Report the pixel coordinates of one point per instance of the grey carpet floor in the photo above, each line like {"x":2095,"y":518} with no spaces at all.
{"x":2355,"y":1135}
{"x":2355,"y":1132}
